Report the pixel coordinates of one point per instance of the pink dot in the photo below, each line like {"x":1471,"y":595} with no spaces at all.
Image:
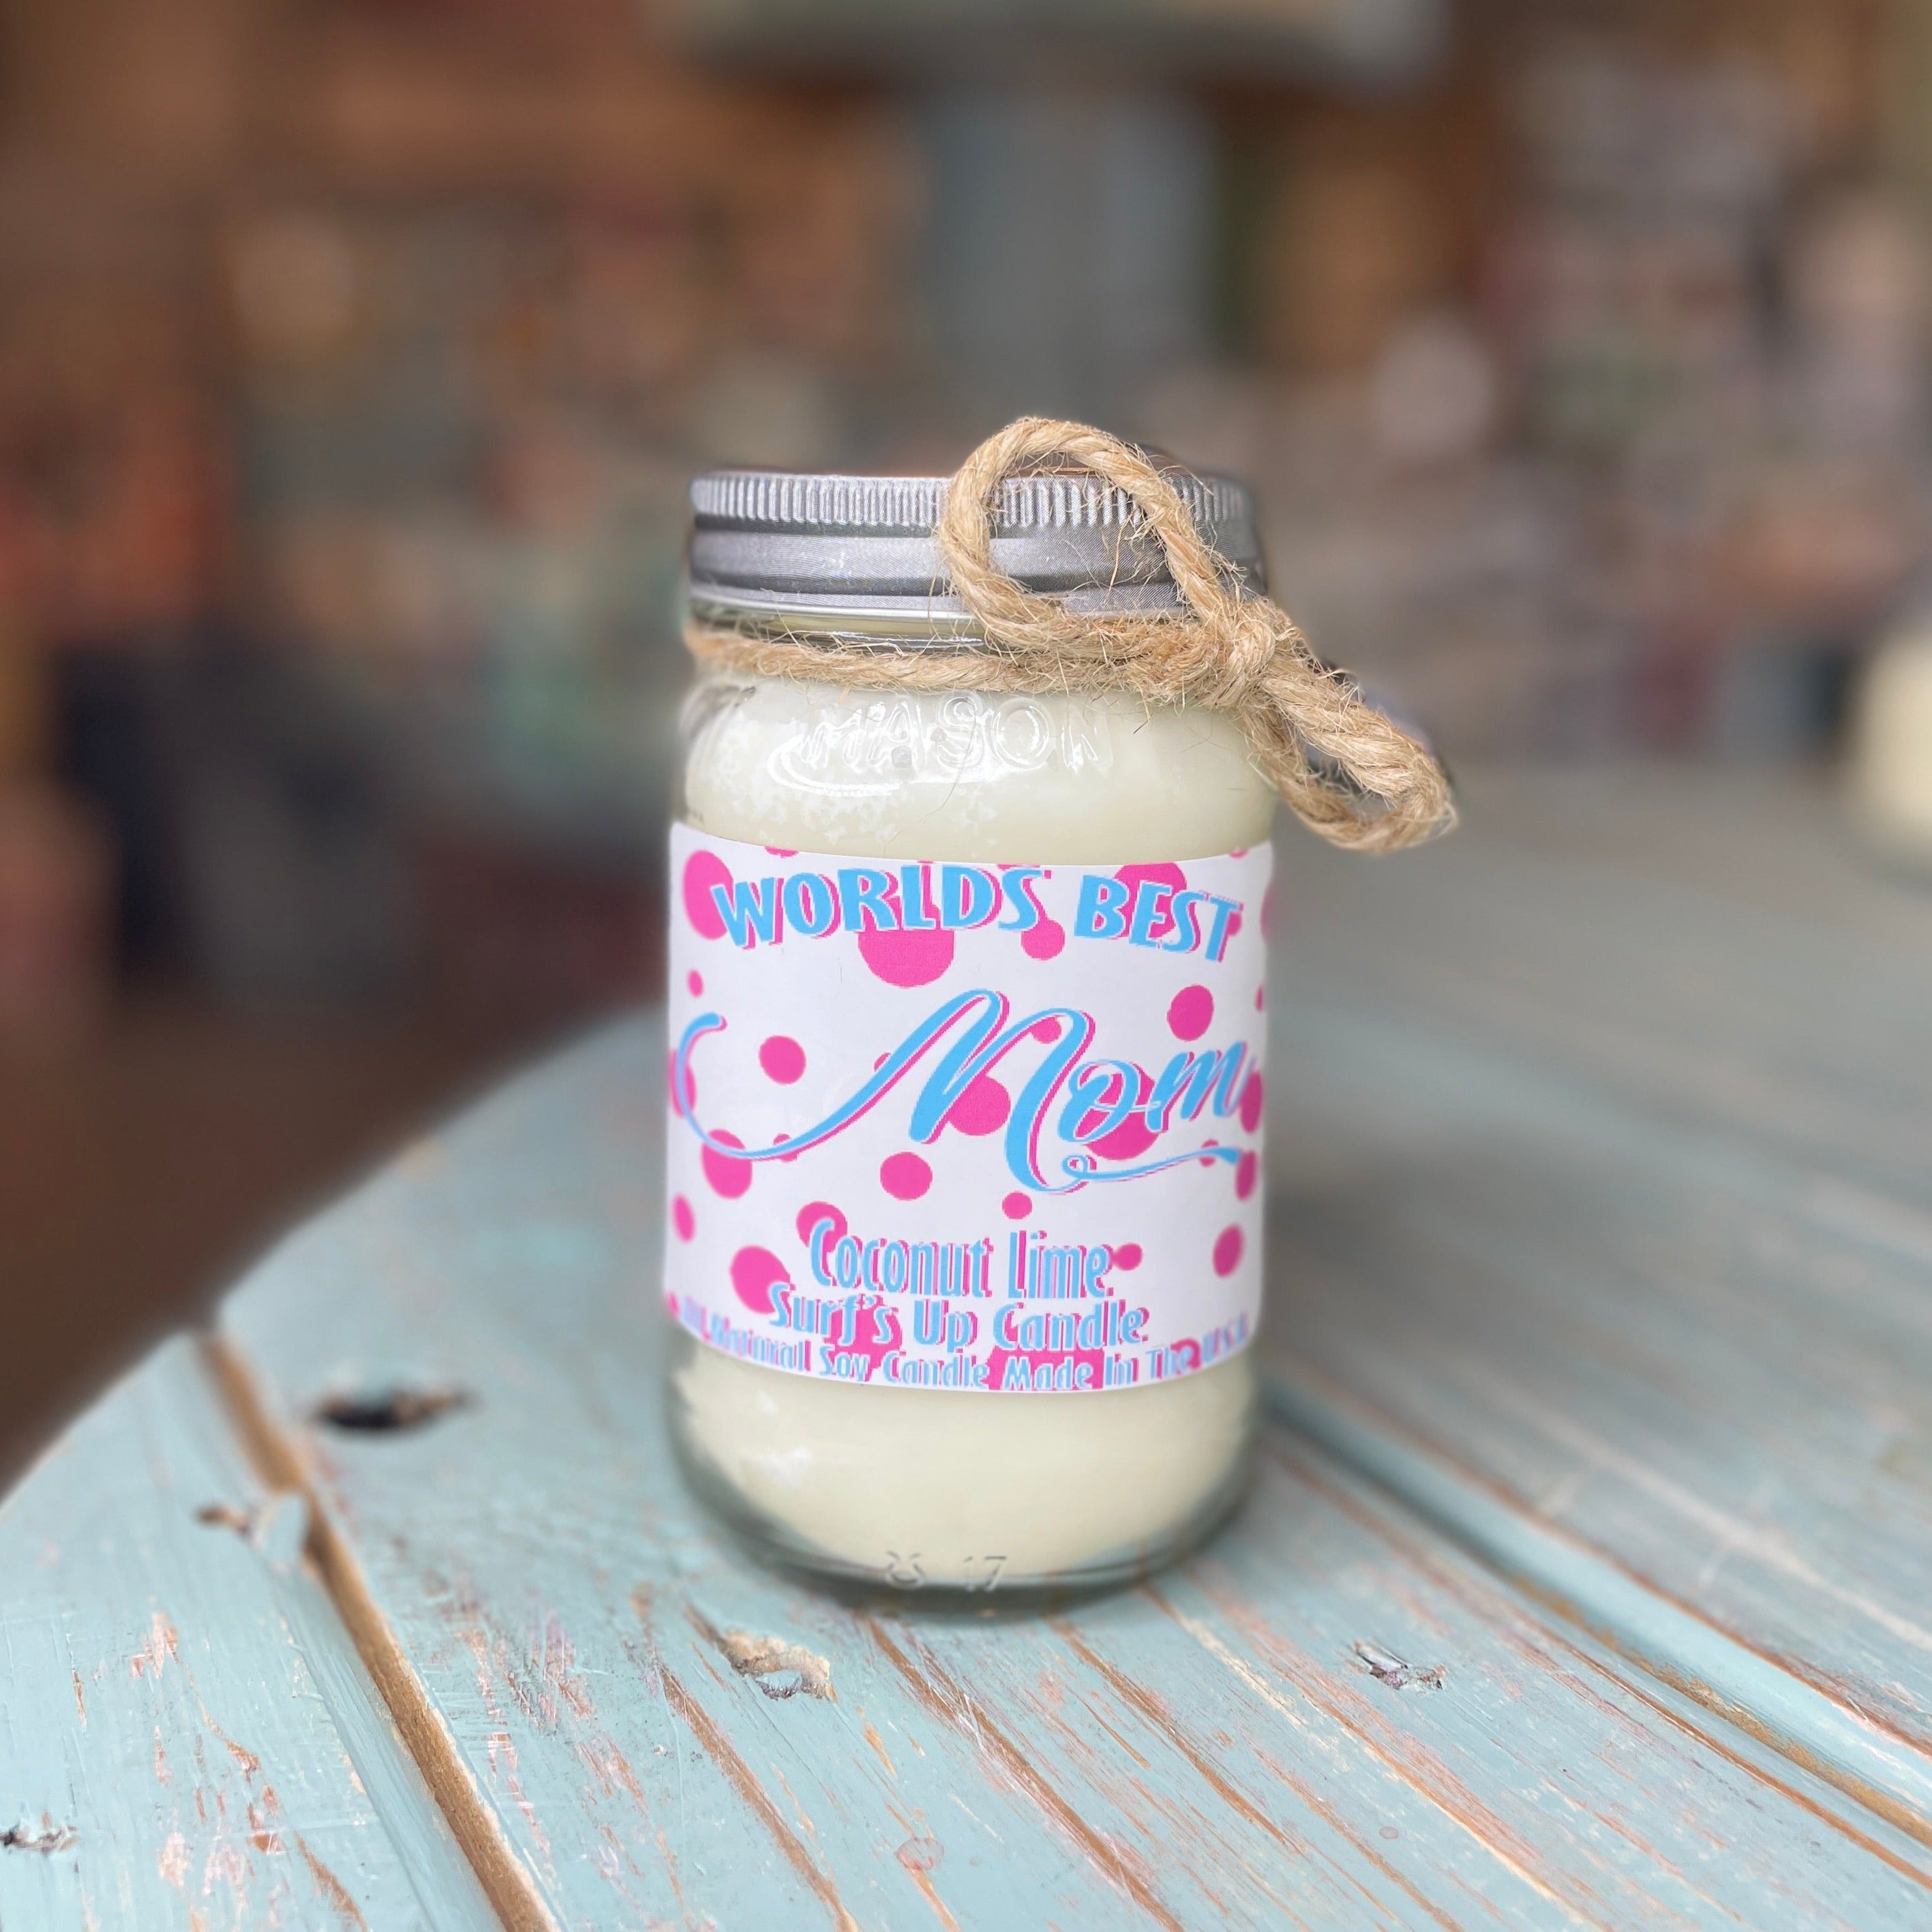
{"x":982,"y":1108}
{"x":782,"y":851}
{"x":1228,"y":1251}
{"x":904,"y":1176}
{"x":682,"y":1218}
{"x":1245,"y":1171}
{"x":1127,"y":1255}
{"x":1166,"y":873}
{"x":1045,"y":940}
{"x":1253,"y":1096}
{"x":906,"y":958}
{"x":695,"y":981}
{"x":1128,"y":1142}
{"x":1260,"y":997}
{"x":1133,"y":1136}
{"x":1190,"y":1013}
{"x":1049,"y":1031}
{"x":702,"y":870}
{"x":727,"y":1176}
{"x":814,"y":1212}
{"x":1017,"y":1206}
{"x":755,"y":1272}
{"x":782,"y":1058}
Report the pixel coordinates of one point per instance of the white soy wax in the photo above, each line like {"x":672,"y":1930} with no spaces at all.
{"x":940,"y":1487}
{"x":1892,"y":744}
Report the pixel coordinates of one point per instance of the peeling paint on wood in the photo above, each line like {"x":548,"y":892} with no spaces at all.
{"x":1215,"y":1750}
{"x":1602,"y":1275}
{"x":779,"y":1670}
{"x":1397,"y":1674}
{"x":186,"y":1731}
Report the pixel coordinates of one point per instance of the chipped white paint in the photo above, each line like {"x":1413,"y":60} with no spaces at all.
{"x":179,"y":1717}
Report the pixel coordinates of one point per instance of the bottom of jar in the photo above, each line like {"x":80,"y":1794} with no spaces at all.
{"x":771,"y":1542}
{"x":906,"y":1483}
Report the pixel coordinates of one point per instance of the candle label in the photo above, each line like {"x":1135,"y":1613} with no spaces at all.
{"x":988,"y":1127}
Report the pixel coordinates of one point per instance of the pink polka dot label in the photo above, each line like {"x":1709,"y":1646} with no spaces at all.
{"x":991,"y":1128}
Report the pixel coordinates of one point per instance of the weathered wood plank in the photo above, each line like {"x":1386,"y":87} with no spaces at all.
{"x":187,"y":1738}
{"x":1715,"y":950}
{"x":1217,"y":1750}
{"x":1609,"y":1194}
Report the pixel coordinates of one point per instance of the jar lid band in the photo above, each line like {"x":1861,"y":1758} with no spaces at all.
{"x":766,"y":541}
{"x":1348,"y":772}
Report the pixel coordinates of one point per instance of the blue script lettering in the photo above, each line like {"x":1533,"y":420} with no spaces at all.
{"x":982,"y":1033}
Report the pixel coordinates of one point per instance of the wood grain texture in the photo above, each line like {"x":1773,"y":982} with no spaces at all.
{"x":1583,"y":1582}
{"x":1260,"y":1739}
{"x":187,"y":1739}
{"x":1604,"y":1183}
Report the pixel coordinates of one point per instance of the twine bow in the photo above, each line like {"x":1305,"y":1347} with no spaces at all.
{"x":1344,"y":770}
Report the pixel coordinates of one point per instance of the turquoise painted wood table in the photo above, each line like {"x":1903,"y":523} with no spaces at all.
{"x":1586,"y":1579}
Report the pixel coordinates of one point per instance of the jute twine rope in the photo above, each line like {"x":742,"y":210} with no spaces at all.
{"x":1346,"y":770}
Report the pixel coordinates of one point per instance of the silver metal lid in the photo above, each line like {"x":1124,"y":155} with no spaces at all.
{"x":856,"y":556}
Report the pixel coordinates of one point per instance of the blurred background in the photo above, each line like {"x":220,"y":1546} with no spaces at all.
{"x":355,"y":356}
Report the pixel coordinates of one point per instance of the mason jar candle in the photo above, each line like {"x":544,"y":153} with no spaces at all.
{"x":963,"y":1260}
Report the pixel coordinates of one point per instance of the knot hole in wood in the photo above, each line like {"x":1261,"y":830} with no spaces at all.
{"x":391,"y":1409}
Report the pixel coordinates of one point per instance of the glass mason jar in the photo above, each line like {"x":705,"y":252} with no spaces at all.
{"x":987,"y":1329}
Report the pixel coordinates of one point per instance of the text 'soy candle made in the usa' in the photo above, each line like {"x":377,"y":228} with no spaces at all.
{"x":964,"y":1204}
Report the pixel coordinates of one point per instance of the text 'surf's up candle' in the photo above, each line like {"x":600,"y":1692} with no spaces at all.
{"x":968,"y":913}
